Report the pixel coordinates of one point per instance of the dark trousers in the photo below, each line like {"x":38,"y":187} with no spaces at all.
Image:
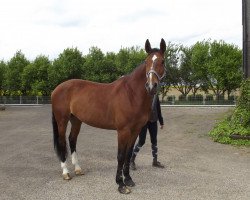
{"x":153,"y":129}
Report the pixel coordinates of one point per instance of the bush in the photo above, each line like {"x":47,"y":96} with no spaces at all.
{"x":239,"y":121}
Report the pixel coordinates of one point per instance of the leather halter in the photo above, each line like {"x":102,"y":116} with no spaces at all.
{"x":157,"y":75}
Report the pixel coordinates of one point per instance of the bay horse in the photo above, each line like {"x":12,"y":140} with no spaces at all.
{"x":123,"y":105}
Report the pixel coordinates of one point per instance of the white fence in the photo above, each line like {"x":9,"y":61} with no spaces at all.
{"x":169,"y":100}
{"x":24,"y":100}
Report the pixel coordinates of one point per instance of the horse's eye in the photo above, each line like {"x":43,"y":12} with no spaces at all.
{"x":162,"y":62}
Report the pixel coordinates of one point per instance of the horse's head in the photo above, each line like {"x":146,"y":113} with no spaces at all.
{"x":155,"y":68}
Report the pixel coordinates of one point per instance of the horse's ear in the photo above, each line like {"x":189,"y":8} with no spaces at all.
{"x":148,"y":46}
{"x":163,"y":45}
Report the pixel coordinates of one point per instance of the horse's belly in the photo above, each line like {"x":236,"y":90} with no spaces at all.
{"x":99,"y":123}
{"x":99,"y":118}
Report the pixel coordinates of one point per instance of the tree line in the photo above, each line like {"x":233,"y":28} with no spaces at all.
{"x":206,"y":65}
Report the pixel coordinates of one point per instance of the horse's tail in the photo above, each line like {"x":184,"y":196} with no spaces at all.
{"x":60,"y":149}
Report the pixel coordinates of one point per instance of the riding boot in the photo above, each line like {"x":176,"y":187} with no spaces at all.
{"x":157,"y":163}
{"x":132,"y":162}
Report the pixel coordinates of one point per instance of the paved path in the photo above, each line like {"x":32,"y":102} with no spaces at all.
{"x":196,"y":167}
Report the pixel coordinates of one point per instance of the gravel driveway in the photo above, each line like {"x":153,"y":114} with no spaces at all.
{"x":196,"y":167}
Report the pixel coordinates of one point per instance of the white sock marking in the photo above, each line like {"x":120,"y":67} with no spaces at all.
{"x":64,"y":167}
{"x":75,"y":161}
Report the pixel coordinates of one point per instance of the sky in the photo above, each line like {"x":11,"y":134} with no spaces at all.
{"x":47,"y":27}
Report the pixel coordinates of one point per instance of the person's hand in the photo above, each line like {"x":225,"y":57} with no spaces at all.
{"x":161,"y":126}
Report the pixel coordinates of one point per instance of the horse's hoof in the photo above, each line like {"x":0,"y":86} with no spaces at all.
{"x":79,"y":172}
{"x":66,"y":177}
{"x":129,"y":183}
{"x":124,"y":190}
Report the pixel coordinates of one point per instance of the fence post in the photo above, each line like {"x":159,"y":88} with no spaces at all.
{"x":203,"y":100}
{"x":173,"y":98}
{"x":36,"y":99}
{"x":20,"y":99}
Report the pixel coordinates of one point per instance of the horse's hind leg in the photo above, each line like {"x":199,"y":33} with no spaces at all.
{"x":59,"y":130}
{"x":75,"y":129}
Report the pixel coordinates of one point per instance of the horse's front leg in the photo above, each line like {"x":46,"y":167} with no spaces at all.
{"x":121,"y":155}
{"x":126,"y":168}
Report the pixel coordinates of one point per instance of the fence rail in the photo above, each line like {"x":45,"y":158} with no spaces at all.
{"x":24,"y":100}
{"x":199,"y":101}
{"x":170,"y":100}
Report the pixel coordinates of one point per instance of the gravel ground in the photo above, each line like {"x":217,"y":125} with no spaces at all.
{"x":196,"y":167}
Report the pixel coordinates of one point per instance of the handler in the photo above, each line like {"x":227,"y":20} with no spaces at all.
{"x":153,"y":129}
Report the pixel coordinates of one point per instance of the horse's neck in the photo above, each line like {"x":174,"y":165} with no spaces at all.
{"x":136,"y":82}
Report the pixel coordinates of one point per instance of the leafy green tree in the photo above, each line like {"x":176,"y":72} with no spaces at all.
{"x":100,"y":67}
{"x":224,"y":67}
{"x":14,"y":73}
{"x":94,"y":64}
{"x":127,"y":59}
{"x":171,"y":62}
{"x":122,"y":61}
{"x":69,"y":65}
{"x":179,"y":67}
{"x":185,"y":71}
{"x":2,"y":76}
{"x":35,"y":76}
{"x":199,"y":63}
{"x":136,"y":57}
{"x":110,"y":70}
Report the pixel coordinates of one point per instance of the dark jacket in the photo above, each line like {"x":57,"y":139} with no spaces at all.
{"x":156,"y":112}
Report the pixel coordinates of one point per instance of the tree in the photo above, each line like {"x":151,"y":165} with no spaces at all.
{"x":185,"y":71}
{"x":199,"y":63}
{"x":2,"y":76}
{"x":128,"y":59}
{"x":35,"y":76}
{"x":171,"y":61}
{"x":69,"y":65}
{"x":224,"y":66}
{"x":94,"y":65}
{"x":14,"y":73}
{"x":110,"y":71}
{"x":179,"y":67}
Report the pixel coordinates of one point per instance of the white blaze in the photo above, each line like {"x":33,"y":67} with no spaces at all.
{"x":154,"y":58}
{"x":151,"y":74}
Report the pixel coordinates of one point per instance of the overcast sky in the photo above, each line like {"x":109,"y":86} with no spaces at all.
{"x":49,"y":26}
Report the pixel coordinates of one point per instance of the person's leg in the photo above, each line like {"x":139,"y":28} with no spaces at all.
{"x":153,"y":131}
{"x":141,"y":142}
